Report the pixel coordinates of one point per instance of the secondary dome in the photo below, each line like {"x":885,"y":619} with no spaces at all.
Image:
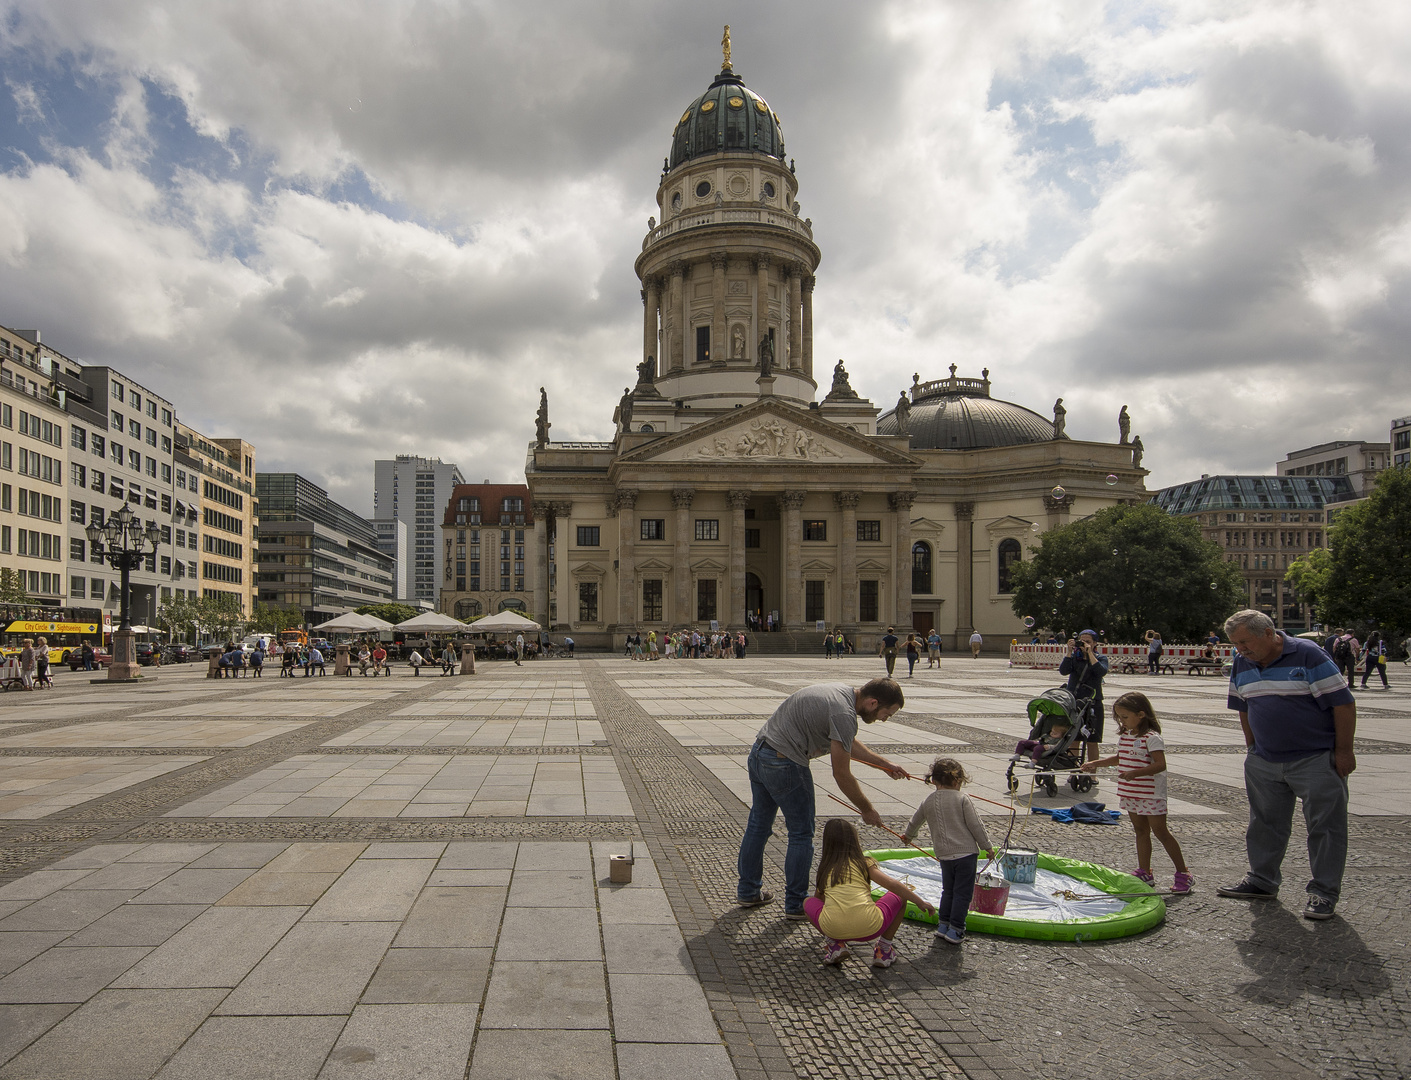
{"x":728,"y":116}
{"x":959,"y":414}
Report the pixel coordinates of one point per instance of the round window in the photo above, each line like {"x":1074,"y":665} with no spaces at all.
{"x":648,"y":428}
{"x":768,"y":189}
{"x":703,"y":189}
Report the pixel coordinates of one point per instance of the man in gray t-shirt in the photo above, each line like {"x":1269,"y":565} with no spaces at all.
{"x":815,"y":721}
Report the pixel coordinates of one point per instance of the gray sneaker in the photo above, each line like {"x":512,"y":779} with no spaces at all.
{"x":1318,"y":908}
{"x":763,"y":898}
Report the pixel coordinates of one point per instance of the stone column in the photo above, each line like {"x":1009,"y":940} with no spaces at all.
{"x":651,"y":299}
{"x":964,"y":573}
{"x":761,"y":304}
{"x":719,"y":347}
{"x":847,"y":556}
{"x":901,"y":507}
{"x":541,"y":560}
{"x":681,"y":572}
{"x":738,"y":500}
{"x":676,"y":338}
{"x":563,"y":530}
{"x":791,"y":609}
{"x":808,"y":325}
{"x":795,"y":317}
{"x":626,"y":558}
{"x":688,"y":347}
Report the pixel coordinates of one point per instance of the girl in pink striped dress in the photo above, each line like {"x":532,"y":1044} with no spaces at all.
{"x":1141,"y":784}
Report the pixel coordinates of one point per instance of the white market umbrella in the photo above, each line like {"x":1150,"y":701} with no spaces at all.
{"x":433,"y":622}
{"x":348,"y":623}
{"x":506,"y":622}
{"x":374,"y":623}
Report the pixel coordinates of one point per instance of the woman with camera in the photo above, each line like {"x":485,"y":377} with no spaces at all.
{"x":1086,"y":668}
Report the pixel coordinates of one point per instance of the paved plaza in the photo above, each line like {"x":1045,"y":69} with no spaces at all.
{"x":408,"y":877}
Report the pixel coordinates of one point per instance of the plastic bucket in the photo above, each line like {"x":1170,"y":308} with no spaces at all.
{"x":1020,"y":865}
{"x":990,"y":899}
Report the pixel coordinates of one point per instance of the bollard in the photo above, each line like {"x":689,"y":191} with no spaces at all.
{"x":341,"y":664}
{"x":467,"y":659}
{"x":620,"y":867}
{"x":213,"y":664}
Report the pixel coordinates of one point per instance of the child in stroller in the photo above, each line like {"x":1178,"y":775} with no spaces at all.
{"x":1060,"y":725}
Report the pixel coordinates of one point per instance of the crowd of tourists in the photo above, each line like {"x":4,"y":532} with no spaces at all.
{"x":686,"y":645}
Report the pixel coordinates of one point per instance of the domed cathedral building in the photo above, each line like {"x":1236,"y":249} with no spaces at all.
{"x":732,"y":495}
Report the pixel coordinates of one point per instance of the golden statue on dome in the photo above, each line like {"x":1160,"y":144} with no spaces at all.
{"x":725,"y":48}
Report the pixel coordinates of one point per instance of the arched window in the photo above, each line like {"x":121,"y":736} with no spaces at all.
{"x":467,"y":609}
{"x":921,"y":567}
{"x":514,"y":603}
{"x":1009,"y":554}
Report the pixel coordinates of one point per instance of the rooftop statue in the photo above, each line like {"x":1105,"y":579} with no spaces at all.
{"x":1060,"y":419}
{"x":841,"y":386}
{"x":541,"y":420}
{"x":1124,"y":426}
{"x":903,"y":414}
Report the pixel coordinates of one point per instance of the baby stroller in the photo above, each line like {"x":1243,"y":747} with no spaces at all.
{"x":1046,"y":753}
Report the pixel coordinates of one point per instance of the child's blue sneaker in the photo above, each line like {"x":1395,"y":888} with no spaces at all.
{"x":951,"y":935}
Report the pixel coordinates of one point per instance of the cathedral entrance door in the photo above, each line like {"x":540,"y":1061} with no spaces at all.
{"x":754,"y":598}
{"x":923,"y":622}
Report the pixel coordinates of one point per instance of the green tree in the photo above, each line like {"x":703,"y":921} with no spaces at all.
{"x":1125,"y":570}
{"x":1369,"y":579}
{"x":177,"y":617}
{"x":220,"y":617}
{"x":12,"y":586}
{"x":389,"y":612}
{"x":271,"y":620}
{"x":1307,"y":575}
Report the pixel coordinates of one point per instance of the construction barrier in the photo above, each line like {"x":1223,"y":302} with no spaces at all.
{"x":1049,"y":656}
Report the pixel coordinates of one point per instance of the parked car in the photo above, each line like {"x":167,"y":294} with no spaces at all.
{"x":101,"y":659}
{"x":145,"y":651}
{"x":180,"y":653}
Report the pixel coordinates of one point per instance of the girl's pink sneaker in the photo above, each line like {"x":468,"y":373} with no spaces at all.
{"x":1183,"y":883}
{"x":1145,"y":875}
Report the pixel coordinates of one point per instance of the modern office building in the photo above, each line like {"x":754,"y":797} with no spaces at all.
{"x":1263,"y":523}
{"x":415,"y":490}
{"x":33,"y":470}
{"x":393,"y":539}
{"x":483,"y":534}
{"x":215,"y":488}
{"x":1359,"y":461}
{"x":316,"y":556}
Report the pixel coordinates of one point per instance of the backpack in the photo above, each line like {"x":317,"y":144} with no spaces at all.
{"x":1342,"y":650}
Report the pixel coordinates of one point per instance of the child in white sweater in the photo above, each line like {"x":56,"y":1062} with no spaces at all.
{"x":956,"y":835}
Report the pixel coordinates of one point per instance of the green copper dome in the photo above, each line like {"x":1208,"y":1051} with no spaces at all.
{"x":727,"y":117}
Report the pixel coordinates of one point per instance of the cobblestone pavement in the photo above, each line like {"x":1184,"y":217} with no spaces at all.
{"x":409,"y":877}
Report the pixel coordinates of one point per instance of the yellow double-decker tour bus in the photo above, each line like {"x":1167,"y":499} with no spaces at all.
{"x":64,"y":630}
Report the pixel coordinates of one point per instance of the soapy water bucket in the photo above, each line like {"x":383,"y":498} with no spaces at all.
{"x":1020,"y":865}
{"x":991,"y":895}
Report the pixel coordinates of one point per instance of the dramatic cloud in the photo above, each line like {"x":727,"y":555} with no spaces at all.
{"x":349,"y":230}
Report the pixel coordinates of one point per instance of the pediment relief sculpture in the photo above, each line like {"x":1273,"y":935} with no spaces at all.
{"x":769,"y":438}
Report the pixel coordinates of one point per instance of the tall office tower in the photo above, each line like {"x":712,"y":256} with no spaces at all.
{"x":393,"y":539}
{"x":415,"y":490}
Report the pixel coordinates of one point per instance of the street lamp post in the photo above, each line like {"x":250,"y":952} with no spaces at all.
{"x":123,"y":542}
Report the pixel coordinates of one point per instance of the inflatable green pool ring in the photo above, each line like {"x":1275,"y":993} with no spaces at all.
{"x":1140,"y":913}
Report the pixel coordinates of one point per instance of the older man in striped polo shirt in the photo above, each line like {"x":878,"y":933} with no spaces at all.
{"x":1299,"y":720}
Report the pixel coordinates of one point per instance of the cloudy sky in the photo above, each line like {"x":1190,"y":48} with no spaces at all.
{"x":350,"y":229}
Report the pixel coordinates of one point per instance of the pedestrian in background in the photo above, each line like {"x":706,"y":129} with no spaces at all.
{"x":1375,"y":656}
{"x":887,"y":650}
{"x":975,"y":642}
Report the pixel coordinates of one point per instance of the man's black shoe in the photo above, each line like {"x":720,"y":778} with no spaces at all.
{"x":765,"y":897}
{"x":1245,"y":890}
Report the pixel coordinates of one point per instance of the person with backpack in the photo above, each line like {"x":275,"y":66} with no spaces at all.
{"x":1345,"y":651}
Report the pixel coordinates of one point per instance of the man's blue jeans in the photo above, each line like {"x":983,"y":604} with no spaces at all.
{"x":776,"y":783}
{"x":1272,"y":787}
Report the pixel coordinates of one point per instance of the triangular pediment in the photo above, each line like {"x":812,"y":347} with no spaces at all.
{"x":1008,"y":525}
{"x":818,"y":565}
{"x":926,"y":525}
{"x":654,"y":564}
{"x":711,"y":565}
{"x":872,"y":564}
{"x":768,"y":432}
{"x":588,"y":568}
